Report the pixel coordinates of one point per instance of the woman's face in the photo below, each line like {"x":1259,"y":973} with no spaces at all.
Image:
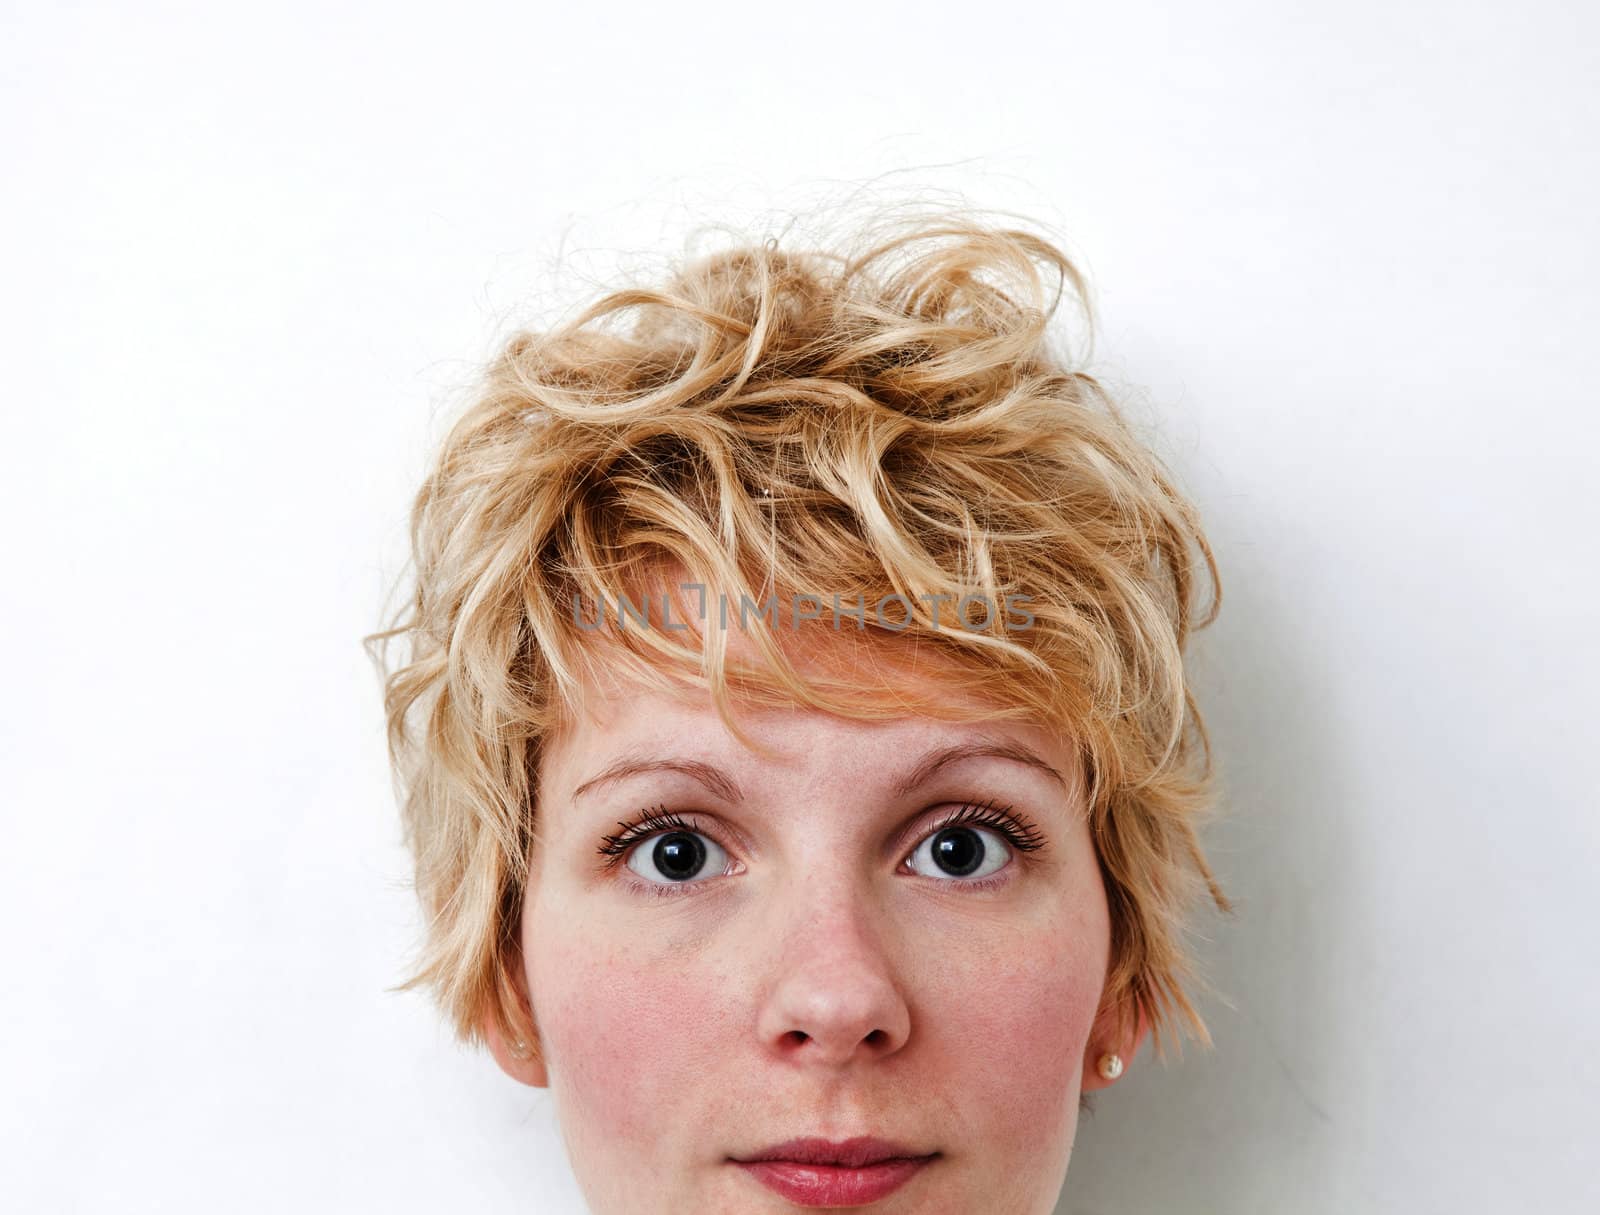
{"x":801,"y":952}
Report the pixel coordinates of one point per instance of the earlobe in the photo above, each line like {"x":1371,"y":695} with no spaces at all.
{"x":521,"y":1059}
{"x":1113,"y":1043}
{"x":510,"y":1030}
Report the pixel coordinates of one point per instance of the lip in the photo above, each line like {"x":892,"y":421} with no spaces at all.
{"x":830,"y":1173}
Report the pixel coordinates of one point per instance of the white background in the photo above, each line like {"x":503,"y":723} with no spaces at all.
{"x":1347,"y":251}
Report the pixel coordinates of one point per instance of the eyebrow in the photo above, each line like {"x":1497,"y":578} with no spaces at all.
{"x":724,"y":786}
{"x":714,"y":779}
{"x":936,"y":761}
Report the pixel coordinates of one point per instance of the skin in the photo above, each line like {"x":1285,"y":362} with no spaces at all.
{"x":822,"y":974}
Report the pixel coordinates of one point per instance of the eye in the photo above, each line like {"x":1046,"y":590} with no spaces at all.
{"x":664,"y":848}
{"x":677,"y":856}
{"x":964,"y":851}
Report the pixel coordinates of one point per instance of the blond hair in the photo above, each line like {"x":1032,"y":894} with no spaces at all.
{"x":890,"y":421}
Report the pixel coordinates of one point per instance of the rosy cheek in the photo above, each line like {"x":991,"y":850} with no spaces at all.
{"x":628,"y":1038}
{"x":1039,"y":1021}
{"x":1015,"y":1025}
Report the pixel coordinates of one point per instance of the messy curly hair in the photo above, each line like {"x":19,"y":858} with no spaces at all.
{"x":890,"y":415}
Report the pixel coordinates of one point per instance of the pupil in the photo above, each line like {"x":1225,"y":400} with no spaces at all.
{"x":679,"y":855}
{"x":958,"y":850}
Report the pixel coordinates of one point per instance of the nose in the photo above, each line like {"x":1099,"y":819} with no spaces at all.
{"x":836,"y":998}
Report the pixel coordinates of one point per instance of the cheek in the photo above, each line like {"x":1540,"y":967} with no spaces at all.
{"x":630,"y":1040}
{"x":1016,"y":1023}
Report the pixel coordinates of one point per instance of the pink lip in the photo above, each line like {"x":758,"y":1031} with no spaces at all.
{"x":821,"y":1173}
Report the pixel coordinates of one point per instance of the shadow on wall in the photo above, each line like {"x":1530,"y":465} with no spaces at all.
{"x":1249,"y":1126}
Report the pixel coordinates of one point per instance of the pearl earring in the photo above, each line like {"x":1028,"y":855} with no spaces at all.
{"x":1110,"y":1066}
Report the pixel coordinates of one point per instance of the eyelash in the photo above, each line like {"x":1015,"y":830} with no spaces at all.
{"x":1018,"y":832}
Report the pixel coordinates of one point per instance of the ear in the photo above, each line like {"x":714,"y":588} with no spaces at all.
{"x":521,"y":1058}
{"x":525,"y":1065}
{"x":1114,"y":1033}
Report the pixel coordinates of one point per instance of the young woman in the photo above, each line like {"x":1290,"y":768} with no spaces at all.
{"x":800,"y":763}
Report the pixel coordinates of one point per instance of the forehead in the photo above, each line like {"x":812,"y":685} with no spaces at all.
{"x":826,"y":651}
{"x":621,"y":721}
{"x":873,"y":669}
{"x":890,"y":692}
